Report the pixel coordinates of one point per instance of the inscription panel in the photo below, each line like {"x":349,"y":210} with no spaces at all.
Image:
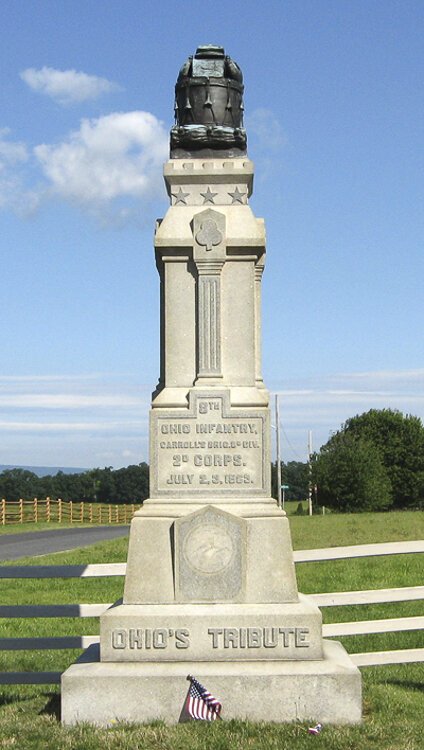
{"x":144,"y":640}
{"x":209,"y":449}
{"x":214,"y":637}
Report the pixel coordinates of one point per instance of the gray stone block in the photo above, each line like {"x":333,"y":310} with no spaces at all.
{"x":328,"y":691}
{"x":265,"y":552}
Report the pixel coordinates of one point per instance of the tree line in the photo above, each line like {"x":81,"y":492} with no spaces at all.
{"x":295,"y":475}
{"x":128,"y":485}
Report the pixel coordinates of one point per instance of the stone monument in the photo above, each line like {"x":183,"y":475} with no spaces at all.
{"x":210,"y":588}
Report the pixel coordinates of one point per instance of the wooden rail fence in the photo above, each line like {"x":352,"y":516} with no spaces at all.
{"x":335,"y":599}
{"x":62,"y":511}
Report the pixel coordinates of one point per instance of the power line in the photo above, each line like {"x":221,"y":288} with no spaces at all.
{"x":290,"y":445}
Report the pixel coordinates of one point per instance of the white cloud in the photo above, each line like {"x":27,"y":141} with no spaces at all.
{"x":110,"y":167}
{"x":15,"y":380}
{"x":67,"y":86}
{"x":71,"y":392}
{"x":65,"y":427}
{"x":13,"y":191}
{"x":80,"y":420}
{"x":266,"y":140}
{"x":266,"y":129}
{"x":11,"y":152}
{"x":88,"y":419}
{"x":67,"y":401}
{"x":383,"y":376}
{"x":118,"y":156}
{"x":323,"y":404}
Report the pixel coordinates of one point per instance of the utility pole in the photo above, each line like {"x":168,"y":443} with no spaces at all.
{"x":310,"y":472}
{"x":277,"y":432}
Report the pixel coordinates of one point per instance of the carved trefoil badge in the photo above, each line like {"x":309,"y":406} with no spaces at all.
{"x":208,"y":234}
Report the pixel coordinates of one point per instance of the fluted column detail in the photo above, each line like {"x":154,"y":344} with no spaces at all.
{"x":209,"y":317}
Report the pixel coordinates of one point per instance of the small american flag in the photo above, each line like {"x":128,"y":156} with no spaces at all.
{"x":316,"y":729}
{"x":200,"y":704}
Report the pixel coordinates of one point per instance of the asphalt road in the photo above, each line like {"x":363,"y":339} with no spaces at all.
{"x":32,"y":543}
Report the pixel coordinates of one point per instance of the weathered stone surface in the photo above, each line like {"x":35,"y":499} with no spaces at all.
{"x":211,"y":632}
{"x":148,"y":580}
{"x":327,"y":690}
{"x":210,"y":556}
{"x":266,"y":549}
{"x":271,"y":575}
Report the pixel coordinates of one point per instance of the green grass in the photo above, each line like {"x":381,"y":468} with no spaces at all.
{"x":399,"y":700}
{"x":393,"y":695}
{"x":339,"y":529}
{"x":22,"y":528}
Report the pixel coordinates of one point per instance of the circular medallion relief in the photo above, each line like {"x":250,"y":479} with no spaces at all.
{"x":208,"y":548}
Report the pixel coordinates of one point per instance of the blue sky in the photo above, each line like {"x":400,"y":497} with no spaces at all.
{"x":334,"y":113}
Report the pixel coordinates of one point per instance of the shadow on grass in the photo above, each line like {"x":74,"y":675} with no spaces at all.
{"x":7,"y":699}
{"x":52,"y":707}
{"x":407,"y":684}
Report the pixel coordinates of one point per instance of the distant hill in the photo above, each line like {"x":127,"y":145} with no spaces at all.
{"x":42,"y":471}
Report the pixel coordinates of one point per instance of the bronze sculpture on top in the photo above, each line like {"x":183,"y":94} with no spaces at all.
{"x":209,"y":107}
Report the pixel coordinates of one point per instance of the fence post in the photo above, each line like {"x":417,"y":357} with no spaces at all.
{"x":81,"y":511}
{"x":116,"y":514}
{"x":59,"y":510}
{"x":48,"y":509}
{"x":35,"y":510}
{"x":21,"y":510}
{"x":91,"y":513}
{"x":3,"y":512}
{"x":110,"y":514}
{"x":70,"y":510}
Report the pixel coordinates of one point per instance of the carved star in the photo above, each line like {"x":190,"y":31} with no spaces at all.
{"x":180,"y":197}
{"x":237,"y":196}
{"x":208,"y":196}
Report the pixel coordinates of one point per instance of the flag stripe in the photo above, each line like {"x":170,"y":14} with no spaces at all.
{"x":201,"y":704}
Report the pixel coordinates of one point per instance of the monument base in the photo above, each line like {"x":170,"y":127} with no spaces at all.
{"x":326,"y":691}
